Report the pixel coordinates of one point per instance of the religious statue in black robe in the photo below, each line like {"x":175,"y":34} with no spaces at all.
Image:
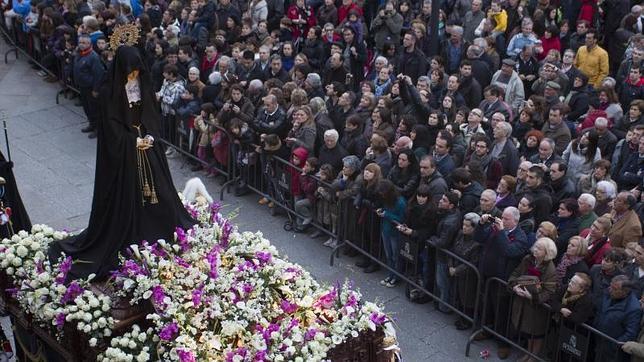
{"x":13,"y":215}
{"x":134,"y":197}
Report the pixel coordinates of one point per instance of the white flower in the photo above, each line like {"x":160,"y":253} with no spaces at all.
{"x":92,"y":342}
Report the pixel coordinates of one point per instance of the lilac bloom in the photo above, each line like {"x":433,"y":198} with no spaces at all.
{"x":185,"y":356}
{"x":60,"y":321}
{"x":73,"y":291}
{"x":288,"y":307}
{"x":157,"y":297}
{"x":65,"y":266}
{"x":196,"y":296}
{"x":377,"y":318}
{"x":169,"y":331}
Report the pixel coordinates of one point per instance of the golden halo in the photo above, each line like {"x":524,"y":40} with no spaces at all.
{"x":125,"y":34}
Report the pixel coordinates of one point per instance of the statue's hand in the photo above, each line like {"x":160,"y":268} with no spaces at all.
{"x":142,"y":144}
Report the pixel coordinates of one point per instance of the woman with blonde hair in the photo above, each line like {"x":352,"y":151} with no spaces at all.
{"x":303,"y":132}
{"x":547,"y":230}
{"x":534,"y":282}
{"x":572,"y":261}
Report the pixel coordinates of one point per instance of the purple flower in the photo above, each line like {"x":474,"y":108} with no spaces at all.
{"x":211,"y":258}
{"x":264,"y":257}
{"x":169,"y":331}
{"x":39,"y":267}
{"x":157,"y":297}
{"x":181,"y":262}
{"x":310,"y":334}
{"x":196,"y":296}
{"x":226,"y":229}
{"x":288,"y":307}
{"x":377,"y":318}
{"x":185,"y":356}
{"x":60,"y":321}
{"x":182,"y":239}
{"x":247,"y":288}
{"x":260,"y":356}
{"x":241,"y":351}
{"x":73,"y":291}
{"x":326,"y":300}
{"x":65,"y":266}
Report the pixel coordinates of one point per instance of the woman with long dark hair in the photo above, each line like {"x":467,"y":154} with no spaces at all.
{"x":567,"y":221}
{"x":405,"y":173}
{"x":422,"y":143}
{"x":365,"y":203}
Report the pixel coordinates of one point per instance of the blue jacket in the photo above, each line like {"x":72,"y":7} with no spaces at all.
{"x":620,"y":320}
{"x":502,"y":252}
{"x":22,"y":8}
{"x":88,"y":71}
{"x":397,"y":214}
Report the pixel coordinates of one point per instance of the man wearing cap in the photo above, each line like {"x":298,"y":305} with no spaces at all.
{"x":592,"y":60}
{"x":508,"y":79}
{"x":551,"y":93}
{"x":549,"y":73}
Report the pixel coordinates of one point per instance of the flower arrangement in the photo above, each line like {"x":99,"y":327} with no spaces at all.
{"x":40,"y":289}
{"x":216,"y":294}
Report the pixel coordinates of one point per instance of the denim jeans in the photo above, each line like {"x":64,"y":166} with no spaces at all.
{"x":391,"y":245}
{"x":442,"y":283}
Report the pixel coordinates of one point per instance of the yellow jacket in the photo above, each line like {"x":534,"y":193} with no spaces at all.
{"x":594,"y":64}
{"x":501,"y":20}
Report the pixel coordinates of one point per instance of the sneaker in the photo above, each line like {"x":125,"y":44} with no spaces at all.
{"x":331,"y":243}
{"x":391,"y":283}
{"x":169,"y":152}
{"x":42,"y":73}
{"x":87,"y":129}
{"x":91,"y":135}
{"x":271,"y":204}
{"x":385,"y":281}
{"x":263,"y":201}
{"x":316,"y":234}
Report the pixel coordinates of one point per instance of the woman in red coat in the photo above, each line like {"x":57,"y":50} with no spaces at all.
{"x":549,"y":40}
{"x":302,"y":18}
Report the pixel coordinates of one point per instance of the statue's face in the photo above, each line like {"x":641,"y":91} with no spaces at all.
{"x":132,"y":87}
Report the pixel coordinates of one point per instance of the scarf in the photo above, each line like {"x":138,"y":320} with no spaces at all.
{"x":569,"y":298}
{"x":563,"y":266}
{"x":85,"y":52}
{"x":485,"y":160}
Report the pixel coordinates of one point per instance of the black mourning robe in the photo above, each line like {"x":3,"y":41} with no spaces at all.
{"x":11,"y":199}
{"x":119,"y":216}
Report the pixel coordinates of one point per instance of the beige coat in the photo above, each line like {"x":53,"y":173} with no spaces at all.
{"x":625,"y":230}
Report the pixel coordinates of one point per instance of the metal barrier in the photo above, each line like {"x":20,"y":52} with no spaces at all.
{"x":531,"y":328}
{"x":19,"y":43}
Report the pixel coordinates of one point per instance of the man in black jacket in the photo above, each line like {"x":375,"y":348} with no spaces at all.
{"x":469,"y":87}
{"x":271,"y":118}
{"x":448,"y":227}
{"x":355,"y":55}
{"x":562,"y":185}
{"x":411,"y":61}
{"x":540,"y":194}
{"x":504,"y":246}
{"x":429,"y":175}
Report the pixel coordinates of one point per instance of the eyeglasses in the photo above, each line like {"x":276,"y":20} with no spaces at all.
{"x":477,"y":114}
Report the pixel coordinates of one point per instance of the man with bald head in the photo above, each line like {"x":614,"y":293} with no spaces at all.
{"x":271,"y":118}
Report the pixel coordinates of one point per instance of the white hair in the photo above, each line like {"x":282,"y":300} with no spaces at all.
{"x":382,"y":59}
{"x":195,"y":188}
{"x":601,"y":122}
{"x":214,"y":78}
{"x":489,"y":192}
{"x":589,"y":199}
{"x":514,"y":212}
{"x":608,"y":188}
{"x":331,"y":133}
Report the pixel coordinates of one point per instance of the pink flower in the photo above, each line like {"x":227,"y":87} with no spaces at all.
{"x":185,"y":356}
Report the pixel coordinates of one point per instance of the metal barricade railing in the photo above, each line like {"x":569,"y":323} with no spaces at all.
{"x":211,"y":163}
{"x":530,"y":327}
{"x":461,"y":289}
{"x":21,"y":42}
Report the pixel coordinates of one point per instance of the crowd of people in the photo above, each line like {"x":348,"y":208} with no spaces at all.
{"x":517,"y":144}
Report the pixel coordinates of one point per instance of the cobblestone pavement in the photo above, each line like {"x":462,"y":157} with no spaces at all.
{"x":54,"y":166}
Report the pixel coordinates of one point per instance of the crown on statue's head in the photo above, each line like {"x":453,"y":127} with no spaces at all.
{"x":124,"y":34}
